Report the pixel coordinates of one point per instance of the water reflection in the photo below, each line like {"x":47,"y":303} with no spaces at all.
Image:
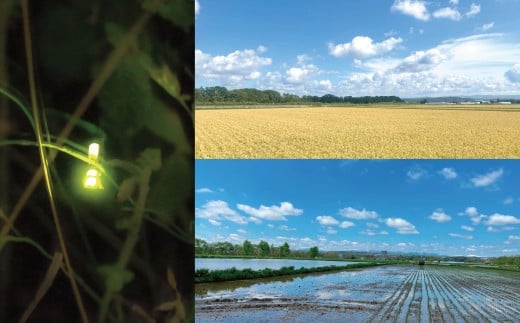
{"x":362,"y":285}
{"x":258,"y":264}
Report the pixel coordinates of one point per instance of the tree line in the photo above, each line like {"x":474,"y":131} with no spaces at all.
{"x":506,"y":261}
{"x":249,"y":249}
{"x":221,"y":95}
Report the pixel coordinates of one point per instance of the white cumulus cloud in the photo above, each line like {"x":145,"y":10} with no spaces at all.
{"x":513,"y":74}
{"x":448,"y":173}
{"x":331,"y":230}
{"x":351,"y":213}
{"x":286,"y":228}
{"x":204,"y":190}
{"x":401,"y":225}
{"x":487,"y":179}
{"x":421,"y":61}
{"x":462,"y":236}
{"x":233,"y":68}
{"x":439,"y":216}
{"x":363,"y":46}
{"x":416,"y":173}
{"x":474,"y":215}
{"x":473,"y":10}
{"x":448,"y":13}
{"x":467,"y":228}
{"x":414,"y":8}
{"x":216,"y":211}
{"x":512,"y":238}
{"x":346,"y":224}
{"x":272,"y":213}
{"x":301,"y":74}
{"x":197,"y":7}
{"x":498,"y":219}
{"x":327,"y":220}
{"x":486,"y":27}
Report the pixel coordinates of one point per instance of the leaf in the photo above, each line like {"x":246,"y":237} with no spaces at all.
{"x":123,"y":224}
{"x":116,"y":277}
{"x":150,"y":157}
{"x":166,"y":306}
{"x":125,"y":99}
{"x":170,"y":83}
{"x":114,"y":33}
{"x":167,"y":80}
{"x":171,"y":279}
{"x":126,"y":189}
{"x":129,"y":104}
{"x":169,"y":198}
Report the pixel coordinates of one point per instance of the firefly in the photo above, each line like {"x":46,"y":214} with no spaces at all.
{"x":92,"y":179}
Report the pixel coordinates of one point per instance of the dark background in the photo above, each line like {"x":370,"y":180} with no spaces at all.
{"x":132,"y":112}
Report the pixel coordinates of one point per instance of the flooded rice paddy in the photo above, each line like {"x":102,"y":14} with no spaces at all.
{"x":388,"y":293}
{"x":258,"y":264}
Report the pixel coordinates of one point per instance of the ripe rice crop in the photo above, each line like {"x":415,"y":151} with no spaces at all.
{"x":379,"y":131}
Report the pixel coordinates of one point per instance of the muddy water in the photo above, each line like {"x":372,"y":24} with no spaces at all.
{"x":338,"y":296}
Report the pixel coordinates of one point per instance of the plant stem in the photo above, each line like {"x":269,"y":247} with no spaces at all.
{"x":44,"y":161}
{"x":5,"y":270}
{"x":131,"y":238}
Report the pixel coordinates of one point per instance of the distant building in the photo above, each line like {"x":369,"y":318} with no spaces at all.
{"x":505,"y":102}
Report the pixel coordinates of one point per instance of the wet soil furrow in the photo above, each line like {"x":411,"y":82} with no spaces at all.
{"x":489,"y":300}
{"x":473,"y":311}
{"x":425,"y":311}
{"x":453,"y":307}
{"x":388,"y":310}
{"x":494,"y":296}
{"x":440,"y":311}
{"x":495,"y":283}
{"x":407,"y":312}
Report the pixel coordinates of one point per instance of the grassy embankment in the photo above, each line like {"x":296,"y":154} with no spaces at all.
{"x":208,"y":276}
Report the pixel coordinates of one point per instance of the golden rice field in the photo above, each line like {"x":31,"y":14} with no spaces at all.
{"x":407,"y":131}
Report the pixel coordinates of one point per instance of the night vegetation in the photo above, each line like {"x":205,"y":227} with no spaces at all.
{"x":221,"y":95}
{"x":119,"y":73}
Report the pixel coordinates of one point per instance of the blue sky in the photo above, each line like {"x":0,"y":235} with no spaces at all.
{"x":407,"y":48}
{"x":450,"y":207}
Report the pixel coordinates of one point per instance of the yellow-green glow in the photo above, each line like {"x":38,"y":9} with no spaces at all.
{"x":93,"y":180}
{"x":93,"y":151}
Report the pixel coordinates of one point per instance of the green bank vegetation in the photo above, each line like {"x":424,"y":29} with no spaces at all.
{"x":209,"y":276}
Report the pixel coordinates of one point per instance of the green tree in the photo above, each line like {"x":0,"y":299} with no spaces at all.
{"x":248,"y":248}
{"x":201,"y":247}
{"x":285,"y":250}
{"x":264,"y":248}
{"x":313,"y":252}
